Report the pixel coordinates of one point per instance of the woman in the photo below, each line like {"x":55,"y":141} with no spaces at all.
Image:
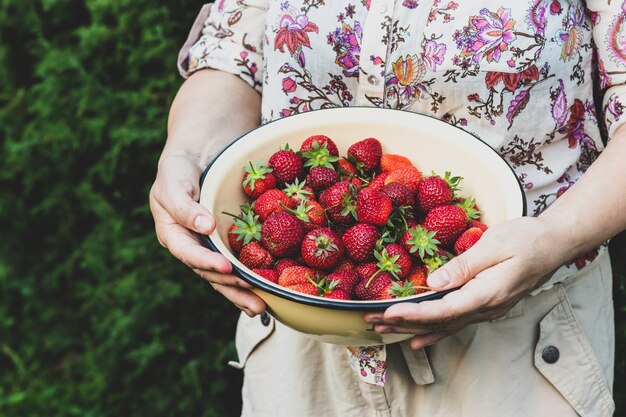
{"x":531,"y":331}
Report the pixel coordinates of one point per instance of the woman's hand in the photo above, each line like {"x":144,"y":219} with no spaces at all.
{"x":507,"y":263}
{"x":179,"y":218}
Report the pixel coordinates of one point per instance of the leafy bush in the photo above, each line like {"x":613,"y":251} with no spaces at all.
{"x":96,"y":319}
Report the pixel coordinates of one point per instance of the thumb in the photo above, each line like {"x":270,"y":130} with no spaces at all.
{"x":178,"y":202}
{"x":463,"y":268}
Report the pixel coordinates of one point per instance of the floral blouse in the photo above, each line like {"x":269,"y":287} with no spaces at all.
{"x":538,"y":80}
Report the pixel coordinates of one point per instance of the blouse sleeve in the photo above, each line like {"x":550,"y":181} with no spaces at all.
{"x":228,"y":36}
{"x":609,"y":31}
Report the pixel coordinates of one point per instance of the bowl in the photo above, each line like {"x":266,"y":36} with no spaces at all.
{"x":432,"y":145}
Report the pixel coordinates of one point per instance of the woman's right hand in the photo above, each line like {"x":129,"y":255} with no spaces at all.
{"x":179,"y":218}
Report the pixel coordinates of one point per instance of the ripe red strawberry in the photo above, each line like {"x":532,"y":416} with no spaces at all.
{"x":399,"y":194}
{"x":360,"y":241}
{"x":417,"y":277}
{"x":390,"y":162}
{"x":272,"y":202}
{"x":448,"y":222}
{"x":346,"y":169}
{"x":344,"y":280}
{"x":284,"y":263}
{"x":373,"y":207}
{"x":476,"y":223}
{"x":311,"y":214}
{"x":366,"y":271}
{"x":319,"y":151}
{"x":298,"y":191}
{"x":365,"y":154}
{"x":410,"y":177}
{"x":395,"y":260}
{"x":378,"y":182}
{"x":320,"y":178}
{"x":299,"y":278}
{"x":467,"y":239}
{"x":281,"y":234}
{"x":287,"y":165}
{"x":268,"y":274}
{"x":420,"y":242}
{"x":244,"y":230}
{"x":345,"y":263}
{"x":338,"y":294}
{"x":436,"y":191}
{"x":321,"y":140}
{"x":339,"y":202}
{"x":253,"y":255}
{"x":322,"y":248}
{"x":257,"y":179}
{"x":376,"y":288}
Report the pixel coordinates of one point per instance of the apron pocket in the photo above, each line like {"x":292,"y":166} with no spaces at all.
{"x":565,"y":358}
{"x":251,"y":332}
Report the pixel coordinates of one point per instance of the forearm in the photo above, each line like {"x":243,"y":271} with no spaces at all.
{"x":210,"y":110}
{"x":594,"y":209}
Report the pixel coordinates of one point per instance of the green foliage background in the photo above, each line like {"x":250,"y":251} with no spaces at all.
{"x":96,"y":319}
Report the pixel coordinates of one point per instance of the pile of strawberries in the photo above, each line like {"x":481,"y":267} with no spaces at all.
{"x":369,"y":226}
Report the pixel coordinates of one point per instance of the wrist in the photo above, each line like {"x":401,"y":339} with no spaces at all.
{"x":563,"y":236}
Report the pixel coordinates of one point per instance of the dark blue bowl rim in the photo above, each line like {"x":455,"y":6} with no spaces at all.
{"x":329,"y":303}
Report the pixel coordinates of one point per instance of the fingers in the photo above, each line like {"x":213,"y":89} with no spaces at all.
{"x":462,"y":268}
{"x":185,"y":246}
{"x":178,"y":198}
{"x":244,"y":299}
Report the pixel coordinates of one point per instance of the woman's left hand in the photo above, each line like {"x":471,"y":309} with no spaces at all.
{"x":507,"y":263}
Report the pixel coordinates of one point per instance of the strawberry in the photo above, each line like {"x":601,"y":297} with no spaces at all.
{"x":401,"y":289}
{"x":365,"y":154}
{"x":287,"y":165}
{"x":253,"y":255}
{"x":417,"y":277}
{"x":272,"y":202}
{"x":420,"y":242}
{"x":395,"y":260}
{"x":319,"y":151}
{"x":378,"y":182}
{"x":298,"y":191}
{"x":268,"y":274}
{"x":366,"y":271}
{"x":244,"y":230}
{"x":257,"y":179}
{"x":373,"y":207}
{"x":410,"y":177}
{"x":321,"y":141}
{"x":344,"y":280}
{"x":322,"y":248}
{"x":346,"y":169}
{"x":467,"y":239}
{"x":284,"y":263}
{"x":448,"y":222}
{"x":436,"y":191}
{"x":469,"y":205}
{"x":345,"y":263}
{"x":281,"y":234}
{"x":376,"y":288}
{"x":300,"y":279}
{"x":320,"y":178}
{"x":360,"y":241}
{"x":390,"y":162}
{"x":339,"y":202}
{"x":399,"y":194}
{"x":476,"y":223}
{"x":310,"y":213}
{"x":338,"y":294}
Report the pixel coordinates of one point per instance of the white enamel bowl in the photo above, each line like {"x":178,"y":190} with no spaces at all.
{"x":430,"y":144}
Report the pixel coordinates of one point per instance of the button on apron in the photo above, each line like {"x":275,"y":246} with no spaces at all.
{"x":550,"y":354}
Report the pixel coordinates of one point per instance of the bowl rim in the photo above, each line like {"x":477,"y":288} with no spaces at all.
{"x":359,"y":305}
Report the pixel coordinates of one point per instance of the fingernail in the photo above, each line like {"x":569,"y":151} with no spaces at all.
{"x":439,"y":278}
{"x":202,"y":223}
